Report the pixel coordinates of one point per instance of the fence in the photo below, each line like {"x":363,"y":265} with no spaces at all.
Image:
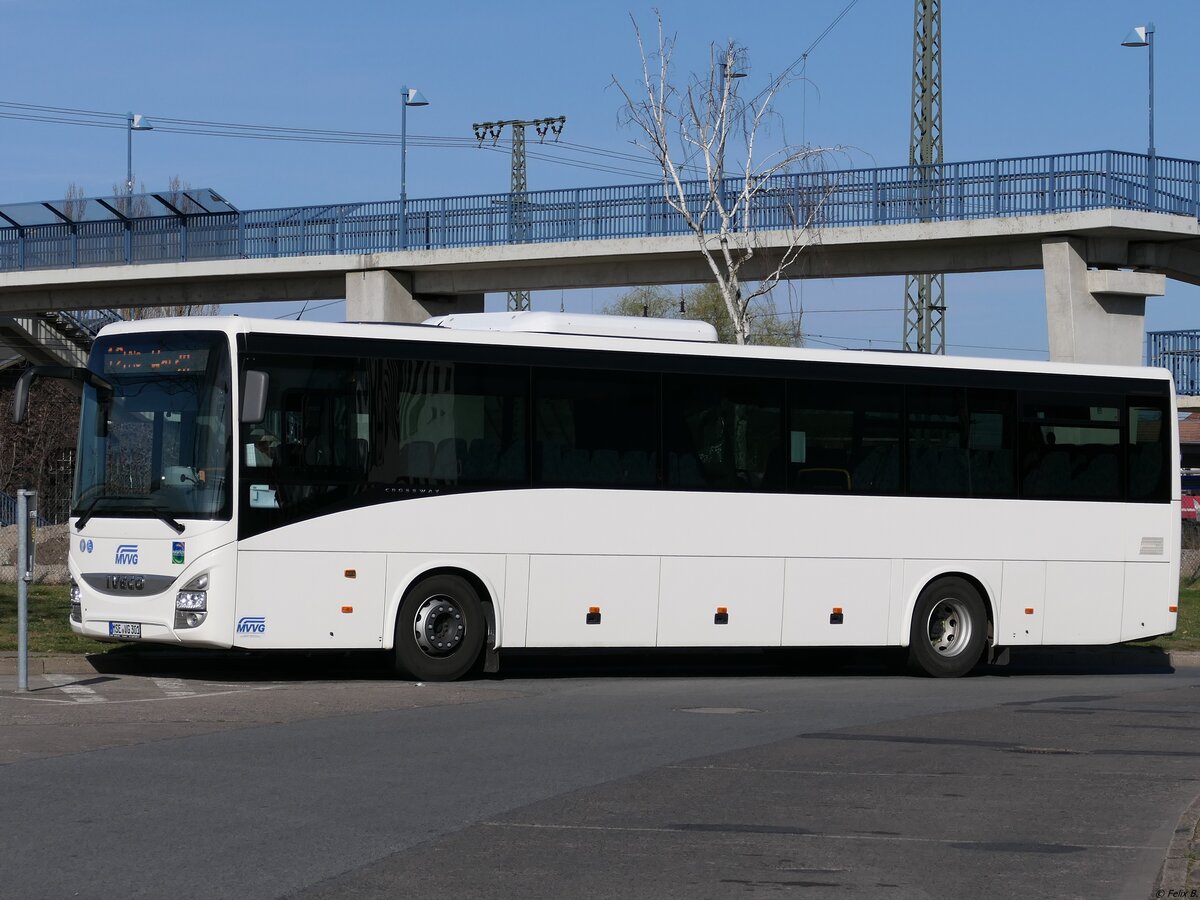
{"x":50,"y":557}
{"x":53,"y":485}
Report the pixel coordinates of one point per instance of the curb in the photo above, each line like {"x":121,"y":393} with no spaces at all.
{"x":1174,"y":879}
{"x":49,"y":664}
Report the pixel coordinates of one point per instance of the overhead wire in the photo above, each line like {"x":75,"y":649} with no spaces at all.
{"x":829,"y":340}
{"x":260,"y":132}
{"x":799,"y":60}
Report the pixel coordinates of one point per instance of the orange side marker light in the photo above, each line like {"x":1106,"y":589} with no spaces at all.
{"x":347,"y":609}
{"x":1172,"y":609}
{"x":1029,"y":610}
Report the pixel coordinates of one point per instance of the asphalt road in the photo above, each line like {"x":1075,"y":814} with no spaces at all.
{"x":719,"y":779}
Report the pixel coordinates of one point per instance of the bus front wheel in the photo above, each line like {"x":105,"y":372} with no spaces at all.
{"x":949,"y":629}
{"x":440,"y":629}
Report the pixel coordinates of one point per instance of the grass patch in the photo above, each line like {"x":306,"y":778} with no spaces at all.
{"x":1187,"y":630}
{"x":49,"y":631}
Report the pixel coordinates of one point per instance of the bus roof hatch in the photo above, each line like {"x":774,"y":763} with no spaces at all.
{"x":581,"y":323}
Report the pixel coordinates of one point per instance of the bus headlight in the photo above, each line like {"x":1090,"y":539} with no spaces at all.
{"x":76,"y":602}
{"x":191,"y":603}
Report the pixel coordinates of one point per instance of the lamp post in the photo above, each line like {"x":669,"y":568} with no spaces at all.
{"x":733,"y":66}
{"x":1143,"y":36}
{"x":133,"y":123}
{"x":411,"y":97}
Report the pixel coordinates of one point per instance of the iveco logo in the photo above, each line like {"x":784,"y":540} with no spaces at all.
{"x":127,"y":554}
{"x":125,"y":582}
{"x":252,"y":625}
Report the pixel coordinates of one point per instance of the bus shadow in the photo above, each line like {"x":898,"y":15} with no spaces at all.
{"x":771,"y":663}
{"x":1118,"y":659}
{"x":374,"y":665}
{"x":240,"y":665}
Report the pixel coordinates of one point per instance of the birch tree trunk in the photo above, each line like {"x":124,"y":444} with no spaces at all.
{"x":703,"y":136}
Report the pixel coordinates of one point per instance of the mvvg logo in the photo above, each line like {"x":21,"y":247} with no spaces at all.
{"x":127,"y":554}
{"x":252,"y":625}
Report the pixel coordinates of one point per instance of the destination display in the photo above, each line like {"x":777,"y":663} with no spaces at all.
{"x":127,"y":360}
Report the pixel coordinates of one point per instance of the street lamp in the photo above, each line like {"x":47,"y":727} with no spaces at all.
{"x":734,"y":65}
{"x":133,"y":123}
{"x":1143,"y":36}
{"x":412,"y":97}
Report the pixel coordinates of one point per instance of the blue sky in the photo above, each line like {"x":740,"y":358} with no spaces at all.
{"x":1020,"y":78}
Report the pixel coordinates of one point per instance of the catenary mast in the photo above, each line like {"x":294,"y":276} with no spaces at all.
{"x":924,"y":294}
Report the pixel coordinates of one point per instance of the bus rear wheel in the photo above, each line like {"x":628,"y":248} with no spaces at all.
{"x":440,"y":629}
{"x":949,"y":629}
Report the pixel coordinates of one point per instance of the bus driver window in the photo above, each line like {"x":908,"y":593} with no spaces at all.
{"x":260,"y":454}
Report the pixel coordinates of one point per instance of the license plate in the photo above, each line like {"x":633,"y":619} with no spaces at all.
{"x":125,"y":629}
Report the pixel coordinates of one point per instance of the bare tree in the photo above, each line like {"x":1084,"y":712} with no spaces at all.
{"x":132,"y":205}
{"x":37,"y":454}
{"x":708,"y":125}
{"x":74,"y":202}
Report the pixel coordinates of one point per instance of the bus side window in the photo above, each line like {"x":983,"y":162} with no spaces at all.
{"x":723,"y":434}
{"x":843,"y":438}
{"x":991,"y":442}
{"x":937,"y":442}
{"x":1070,"y":446}
{"x":595,"y":429}
{"x":1148,"y":451}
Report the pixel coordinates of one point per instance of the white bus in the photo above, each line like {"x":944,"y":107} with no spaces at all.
{"x":451,"y":490}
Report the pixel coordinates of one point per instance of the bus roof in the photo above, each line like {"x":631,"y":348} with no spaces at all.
{"x":510,"y":331}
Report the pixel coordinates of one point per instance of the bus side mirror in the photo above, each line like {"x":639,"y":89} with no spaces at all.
{"x":20,"y":404}
{"x":254,"y":397}
{"x":104,"y":390}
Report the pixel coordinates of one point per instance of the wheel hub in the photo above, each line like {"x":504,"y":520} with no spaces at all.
{"x":949,"y":627}
{"x":439,"y":626}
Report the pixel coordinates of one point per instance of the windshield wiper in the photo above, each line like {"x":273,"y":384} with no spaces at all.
{"x":164,"y":515}
{"x":161,"y":513}
{"x":87,"y":513}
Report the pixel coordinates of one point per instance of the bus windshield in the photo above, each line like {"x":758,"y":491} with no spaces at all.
{"x":159,"y":446}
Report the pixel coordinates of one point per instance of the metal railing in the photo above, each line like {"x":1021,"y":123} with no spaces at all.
{"x":1178,"y":351}
{"x":8,"y":511}
{"x":81,"y":325}
{"x":1024,"y":186}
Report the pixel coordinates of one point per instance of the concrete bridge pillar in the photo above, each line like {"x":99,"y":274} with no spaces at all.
{"x":1094,"y":315}
{"x":382,"y":295}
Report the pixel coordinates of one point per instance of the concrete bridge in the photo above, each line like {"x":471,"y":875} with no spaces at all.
{"x":52,"y":337}
{"x":1107,"y":228}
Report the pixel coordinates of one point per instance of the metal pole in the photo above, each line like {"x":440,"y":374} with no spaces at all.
{"x":129,"y":156}
{"x":1150,"y":45}
{"x":1153,"y":161}
{"x":23,"y":576}
{"x":403,"y":167}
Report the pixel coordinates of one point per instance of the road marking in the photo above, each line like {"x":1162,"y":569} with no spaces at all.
{"x":80,"y":693}
{"x":174,"y":687}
